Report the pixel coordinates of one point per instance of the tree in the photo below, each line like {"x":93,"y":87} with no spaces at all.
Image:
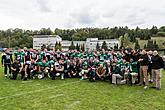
{"x":72,"y":47}
{"x":150,"y":45}
{"x":20,"y":38}
{"x":162,"y":29}
{"x":58,"y":46}
{"x":83,"y":47}
{"x":48,"y":47}
{"x":104,"y":46}
{"x":56,"y":43}
{"x":125,"y":41}
{"x":161,"y":34}
{"x":145,"y":46}
{"x":116,"y":47}
{"x":97,"y":47}
{"x":137,"y":46}
{"x":154,"y":30}
{"x":77,"y":47}
{"x":155,"y":45}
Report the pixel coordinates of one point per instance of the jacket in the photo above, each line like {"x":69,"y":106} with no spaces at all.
{"x":157,"y":62}
{"x":145,"y":61}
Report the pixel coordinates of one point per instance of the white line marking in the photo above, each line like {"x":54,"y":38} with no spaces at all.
{"x":54,"y":96}
{"x":39,"y":90}
{"x":73,"y":104}
{"x":24,"y":82}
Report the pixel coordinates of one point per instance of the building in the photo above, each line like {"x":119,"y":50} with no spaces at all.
{"x":65,"y":44}
{"x":90,"y":43}
{"x":39,"y":40}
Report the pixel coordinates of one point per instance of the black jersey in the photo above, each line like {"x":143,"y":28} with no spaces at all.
{"x":34,"y":55}
{"x":7,"y":58}
{"x":27,"y":56}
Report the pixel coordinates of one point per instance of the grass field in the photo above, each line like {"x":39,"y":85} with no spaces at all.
{"x":72,"y":94}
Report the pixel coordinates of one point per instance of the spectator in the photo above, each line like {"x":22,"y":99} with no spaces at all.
{"x":157,"y":64}
{"x":143,"y":68}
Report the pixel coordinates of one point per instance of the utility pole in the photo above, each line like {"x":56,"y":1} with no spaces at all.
{"x":9,"y":40}
{"x":9,"y":37}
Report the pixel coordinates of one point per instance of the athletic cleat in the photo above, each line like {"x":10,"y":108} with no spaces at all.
{"x":82,"y":78}
{"x":146,"y":87}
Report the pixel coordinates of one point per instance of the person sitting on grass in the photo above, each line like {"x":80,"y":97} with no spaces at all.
{"x":100,"y":72}
{"x":15,"y":67}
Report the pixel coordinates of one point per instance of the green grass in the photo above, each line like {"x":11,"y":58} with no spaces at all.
{"x":72,"y":94}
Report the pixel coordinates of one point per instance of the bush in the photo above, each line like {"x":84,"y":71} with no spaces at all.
{"x":161,"y":34}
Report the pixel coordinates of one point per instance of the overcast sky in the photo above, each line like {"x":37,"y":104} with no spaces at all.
{"x":37,"y":14}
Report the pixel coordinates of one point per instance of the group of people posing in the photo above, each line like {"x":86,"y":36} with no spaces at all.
{"x":118,"y":67}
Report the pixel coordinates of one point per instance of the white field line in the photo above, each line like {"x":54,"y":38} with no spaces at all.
{"x":54,"y":96}
{"x":73,"y":104}
{"x":39,"y":90}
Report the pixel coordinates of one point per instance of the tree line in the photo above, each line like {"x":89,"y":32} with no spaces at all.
{"x":20,"y":38}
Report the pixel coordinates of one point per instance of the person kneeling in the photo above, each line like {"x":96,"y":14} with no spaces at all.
{"x":15,"y":69}
{"x":33,"y":69}
{"x":117,"y":75}
{"x":58,"y":70}
{"x":92,"y":74}
{"x":43,"y":69}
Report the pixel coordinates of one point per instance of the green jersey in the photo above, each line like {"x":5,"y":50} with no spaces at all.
{"x":43,"y":65}
{"x":85,"y":64}
{"x":20,"y":56}
{"x":102,"y":57}
{"x":90,"y":56}
{"x":134,"y":67}
{"x":78,"y":55}
{"x":40,"y":56}
{"x":123,"y":65}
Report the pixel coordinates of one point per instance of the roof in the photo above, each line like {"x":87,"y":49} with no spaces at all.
{"x":45,"y":36}
{"x":114,"y":40}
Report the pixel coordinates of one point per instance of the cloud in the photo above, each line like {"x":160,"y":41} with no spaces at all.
{"x":43,"y":5}
{"x":135,"y":19}
{"x":83,"y":17}
{"x":36,"y":14}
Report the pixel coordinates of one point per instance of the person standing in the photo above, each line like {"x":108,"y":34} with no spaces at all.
{"x":150,"y":54}
{"x":6,"y":62}
{"x":157,"y":64}
{"x":143,"y":68}
{"x":27,"y":61}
